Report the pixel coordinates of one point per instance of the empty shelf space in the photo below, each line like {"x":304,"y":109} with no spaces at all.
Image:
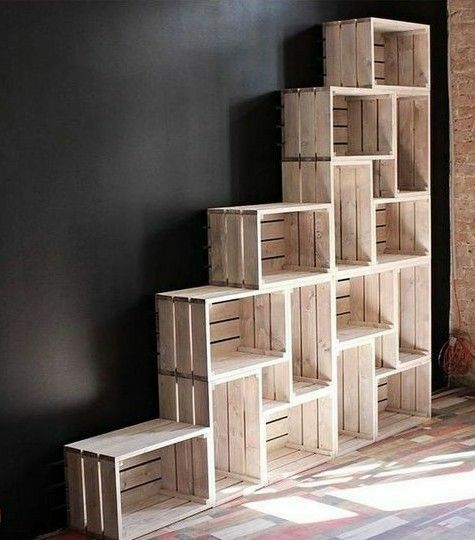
{"x":353,"y":335}
{"x":400,"y":259}
{"x":296,"y":277}
{"x":391,"y":423}
{"x":349,"y":160}
{"x":348,"y":443}
{"x":412,"y":358}
{"x":303,"y":391}
{"x":238,"y":362}
{"x":156,"y":512}
{"x":270,"y":406}
{"x":402,"y":226}
{"x":228,"y":488}
{"x":407,"y":360}
{"x":412,"y":194}
{"x":344,"y":270}
{"x":285,"y":462}
{"x":303,"y":388}
{"x":362,"y":126}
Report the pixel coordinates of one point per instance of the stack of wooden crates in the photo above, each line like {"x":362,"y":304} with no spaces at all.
{"x":313,"y":337}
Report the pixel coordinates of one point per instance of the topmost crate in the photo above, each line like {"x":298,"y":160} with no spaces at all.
{"x":377,"y":52}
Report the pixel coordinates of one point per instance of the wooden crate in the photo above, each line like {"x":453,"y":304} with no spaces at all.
{"x":232,"y":332}
{"x":300,"y":437}
{"x":354,"y":220}
{"x":367,"y":311}
{"x":376,"y":52}
{"x":237,"y":431}
{"x":135,"y":480}
{"x":320,"y":123}
{"x":357,"y":396}
{"x":262,"y":245}
{"x":413,"y":154}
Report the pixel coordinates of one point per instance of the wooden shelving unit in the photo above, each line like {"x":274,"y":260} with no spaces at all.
{"x":313,"y":337}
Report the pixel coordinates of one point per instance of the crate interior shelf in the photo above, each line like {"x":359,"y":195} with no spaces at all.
{"x":407,"y":360}
{"x":403,"y":226}
{"x":313,"y":338}
{"x":352,"y":334}
{"x":297,"y":437}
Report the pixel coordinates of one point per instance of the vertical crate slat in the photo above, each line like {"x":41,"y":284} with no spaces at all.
{"x":92,"y":492}
{"x":75,"y":484}
{"x":110,"y":496}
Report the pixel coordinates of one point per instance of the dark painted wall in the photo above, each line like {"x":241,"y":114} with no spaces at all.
{"x":120,"y":123}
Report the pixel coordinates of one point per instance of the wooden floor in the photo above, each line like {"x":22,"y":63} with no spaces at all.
{"x":420,"y":484}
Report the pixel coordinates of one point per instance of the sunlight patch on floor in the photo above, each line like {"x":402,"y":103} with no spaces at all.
{"x":418,"y":469}
{"x":448,"y":457}
{"x":299,"y":510}
{"x":325,"y":482}
{"x":350,"y":469}
{"x":395,"y":496}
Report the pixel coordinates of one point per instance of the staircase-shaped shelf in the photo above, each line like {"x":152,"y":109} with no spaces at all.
{"x":313,"y":337}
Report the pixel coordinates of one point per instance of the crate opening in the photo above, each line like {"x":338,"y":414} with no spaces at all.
{"x":356,"y":393}
{"x":353,"y":199}
{"x":413,"y":156}
{"x":294,"y":244}
{"x":161,"y":487}
{"x":237,"y":430}
{"x":363,"y":125}
{"x":401,"y":57}
{"x":365,"y":308}
{"x":299,"y":438}
{"x":403,"y":229}
{"x":247,"y":333}
{"x":406,"y":400}
{"x":384,"y":178}
{"x":311,"y":338}
{"x":414,"y":310}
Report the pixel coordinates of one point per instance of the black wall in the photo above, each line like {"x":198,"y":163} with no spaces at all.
{"x":120,"y":123}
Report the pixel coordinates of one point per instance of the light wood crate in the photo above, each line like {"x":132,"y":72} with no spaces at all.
{"x":135,"y":480}
{"x":261,"y":245}
{"x":376,"y":52}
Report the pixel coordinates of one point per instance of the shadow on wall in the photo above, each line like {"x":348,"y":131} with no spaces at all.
{"x":303,"y":59}
{"x":254,"y":149}
{"x":254,"y":124}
